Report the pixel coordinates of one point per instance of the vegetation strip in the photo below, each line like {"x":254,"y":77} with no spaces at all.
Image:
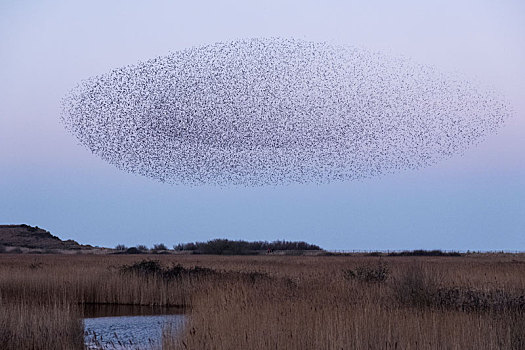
{"x":268,"y":302}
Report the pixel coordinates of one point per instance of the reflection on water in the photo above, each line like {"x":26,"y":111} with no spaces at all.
{"x":128,"y":327}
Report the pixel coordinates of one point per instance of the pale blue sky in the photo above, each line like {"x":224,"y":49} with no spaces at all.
{"x":471,"y":201}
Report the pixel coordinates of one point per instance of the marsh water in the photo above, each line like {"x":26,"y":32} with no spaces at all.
{"x":128,"y":327}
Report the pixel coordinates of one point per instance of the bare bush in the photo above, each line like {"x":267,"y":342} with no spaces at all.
{"x":159,"y":247}
{"x":416,"y":287}
{"x":368,"y":273}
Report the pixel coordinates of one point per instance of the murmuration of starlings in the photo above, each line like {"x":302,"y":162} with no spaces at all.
{"x":277,"y":111}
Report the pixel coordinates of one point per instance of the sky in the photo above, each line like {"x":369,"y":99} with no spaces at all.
{"x":470,"y":201}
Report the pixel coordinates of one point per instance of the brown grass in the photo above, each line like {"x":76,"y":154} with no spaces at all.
{"x":26,"y":325}
{"x":276,"y":302}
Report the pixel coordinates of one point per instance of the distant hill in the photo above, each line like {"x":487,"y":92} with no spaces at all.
{"x":33,"y":237}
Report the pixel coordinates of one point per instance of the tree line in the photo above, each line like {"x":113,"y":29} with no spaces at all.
{"x":226,"y":246}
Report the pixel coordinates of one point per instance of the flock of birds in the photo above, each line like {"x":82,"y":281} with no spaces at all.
{"x":276,"y":111}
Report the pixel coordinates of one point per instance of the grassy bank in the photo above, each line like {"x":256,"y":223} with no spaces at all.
{"x":260,"y":302}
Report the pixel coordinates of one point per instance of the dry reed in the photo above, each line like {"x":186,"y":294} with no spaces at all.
{"x":268,"y":302}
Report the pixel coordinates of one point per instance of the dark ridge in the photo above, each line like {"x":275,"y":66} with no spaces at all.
{"x":33,"y":237}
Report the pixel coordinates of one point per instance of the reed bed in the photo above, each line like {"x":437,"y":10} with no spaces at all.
{"x":475,"y":301}
{"x":29,"y":325}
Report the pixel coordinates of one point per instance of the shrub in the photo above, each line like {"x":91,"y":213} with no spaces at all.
{"x":367,"y":273}
{"x":421,"y":252}
{"x":466,"y":299}
{"x":142,"y":248}
{"x":120,"y":247}
{"x":153,"y":268}
{"x":416,"y":287}
{"x":144,"y":267}
{"x":230,"y":247}
{"x":35,"y":265}
{"x":186,"y":246}
{"x":159,"y":247}
{"x":133,"y":250}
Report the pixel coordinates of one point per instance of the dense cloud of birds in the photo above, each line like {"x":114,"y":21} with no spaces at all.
{"x":276,"y":111}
